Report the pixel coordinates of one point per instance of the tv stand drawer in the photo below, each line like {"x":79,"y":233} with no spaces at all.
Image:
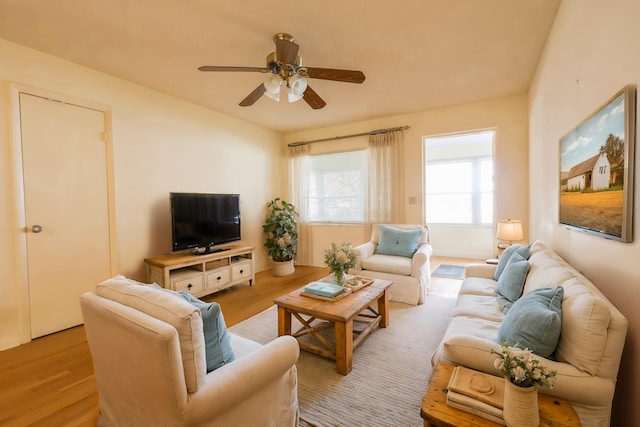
{"x":241,"y":270}
{"x":191,"y":285}
{"x":217,"y":279}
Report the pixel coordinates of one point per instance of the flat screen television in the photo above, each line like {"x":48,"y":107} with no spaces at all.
{"x":201,"y":221}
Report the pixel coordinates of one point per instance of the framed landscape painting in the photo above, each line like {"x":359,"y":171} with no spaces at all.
{"x":596,"y":170}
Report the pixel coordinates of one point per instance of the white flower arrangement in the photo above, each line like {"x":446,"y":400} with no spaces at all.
{"x":522,"y":368}
{"x":340,"y":258}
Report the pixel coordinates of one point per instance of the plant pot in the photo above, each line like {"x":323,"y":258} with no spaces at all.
{"x":283,"y":268}
{"x":520,"y":406}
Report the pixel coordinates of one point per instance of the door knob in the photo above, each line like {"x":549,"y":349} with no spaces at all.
{"x":36,"y":228}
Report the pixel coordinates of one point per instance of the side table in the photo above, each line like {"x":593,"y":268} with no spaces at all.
{"x":554,"y":411}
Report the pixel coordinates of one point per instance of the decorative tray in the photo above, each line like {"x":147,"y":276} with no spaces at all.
{"x":347,"y":291}
{"x":358,"y":282}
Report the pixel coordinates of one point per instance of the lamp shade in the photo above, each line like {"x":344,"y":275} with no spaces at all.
{"x":272,"y":85}
{"x":509,"y":229}
{"x":297,"y":86}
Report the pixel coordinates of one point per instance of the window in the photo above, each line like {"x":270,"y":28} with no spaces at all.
{"x":338,"y":185}
{"x":459,"y":179}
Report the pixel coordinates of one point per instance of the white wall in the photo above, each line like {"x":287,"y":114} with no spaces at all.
{"x":508,"y":116}
{"x":161,"y":144}
{"x":590,"y":55}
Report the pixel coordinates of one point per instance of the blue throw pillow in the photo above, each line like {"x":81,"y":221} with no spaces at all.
{"x":218,"y":349}
{"x":512,"y":279}
{"x":394,"y":241}
{"x":506,"y":256}
{"x":534,"y":321}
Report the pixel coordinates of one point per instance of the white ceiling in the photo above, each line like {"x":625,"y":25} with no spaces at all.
{"x":415,"y":54}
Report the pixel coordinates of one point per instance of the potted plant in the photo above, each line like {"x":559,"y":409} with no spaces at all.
{"x":281,"y":228}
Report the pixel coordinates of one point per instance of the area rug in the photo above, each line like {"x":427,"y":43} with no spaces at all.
{"x":391,"y":369}
{"x":450,"y":271}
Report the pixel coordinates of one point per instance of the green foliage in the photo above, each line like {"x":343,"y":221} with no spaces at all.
{"x":614,"y":149}
{"x":281,"y":228}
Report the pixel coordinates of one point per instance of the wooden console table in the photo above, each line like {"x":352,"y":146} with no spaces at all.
{"x":202,"y":274}
{"x":554,"y":411}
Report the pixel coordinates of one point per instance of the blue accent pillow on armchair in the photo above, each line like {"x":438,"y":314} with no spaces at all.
{"x":394,"y":241}
{"x":218,"y":351}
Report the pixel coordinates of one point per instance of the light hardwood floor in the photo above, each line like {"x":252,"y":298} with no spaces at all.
{"x":50,"y":381}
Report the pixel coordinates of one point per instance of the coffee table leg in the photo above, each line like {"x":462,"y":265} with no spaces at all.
{"x":284,"y":322}
{"x":344,"y":347}
{"x":383,"y":309}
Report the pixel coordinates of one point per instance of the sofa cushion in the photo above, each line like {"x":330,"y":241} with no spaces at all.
{"x":478,"y":286}
{"x":506,"y":256}
{"x":184,"y":317}
{"x":512,"y":279}
{"x":394,"y":241}
{"x":479,"y":307}
{"x":534,"y":321}
{"x":546,"y":271}
{"x":217,"y":344}
{"x":584,"y":327}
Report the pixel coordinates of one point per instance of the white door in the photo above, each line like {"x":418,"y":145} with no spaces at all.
{"x":66,"y":208}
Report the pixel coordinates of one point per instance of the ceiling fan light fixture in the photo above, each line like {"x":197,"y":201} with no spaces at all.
{"x":296,"y":87}
{"x":272,"y":85}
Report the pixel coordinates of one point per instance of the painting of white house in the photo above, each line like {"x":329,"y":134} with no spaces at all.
{"x":592,"y":166}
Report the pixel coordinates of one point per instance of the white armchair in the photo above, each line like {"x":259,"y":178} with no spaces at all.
{"x":152,"y":372}
{"x":410,"y":276}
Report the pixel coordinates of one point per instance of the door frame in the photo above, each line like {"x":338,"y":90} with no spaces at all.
{"x":20,"y":235}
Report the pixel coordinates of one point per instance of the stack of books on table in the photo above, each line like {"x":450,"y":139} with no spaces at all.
{"x":323,"y":289}
{"x":477,"y":393}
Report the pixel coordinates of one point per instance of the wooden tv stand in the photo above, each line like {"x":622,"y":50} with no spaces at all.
{"x":202,"y":274}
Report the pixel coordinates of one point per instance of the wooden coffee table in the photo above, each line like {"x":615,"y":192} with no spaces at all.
{"x":368,"y":307}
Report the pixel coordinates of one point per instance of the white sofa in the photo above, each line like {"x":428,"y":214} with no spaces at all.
{"x":148,"y":352}
{"x":410,"y":276}
{"x":593,"y":332}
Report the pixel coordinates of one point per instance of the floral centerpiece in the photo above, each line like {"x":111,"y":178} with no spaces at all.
{"x":523,"y":372}
{"x":281,"y":228}
{"x":340,"y":259}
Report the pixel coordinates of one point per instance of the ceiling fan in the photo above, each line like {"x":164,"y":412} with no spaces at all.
{"x":284,"y":69}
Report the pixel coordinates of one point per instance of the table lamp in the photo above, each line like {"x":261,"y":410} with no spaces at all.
{"x":509,"y":230}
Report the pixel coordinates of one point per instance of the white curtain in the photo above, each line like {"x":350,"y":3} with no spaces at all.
{"x":299,"y":197}
{"x":384,"y":199}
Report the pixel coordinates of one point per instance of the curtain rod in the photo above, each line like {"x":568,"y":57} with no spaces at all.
{"x":373,"y":132}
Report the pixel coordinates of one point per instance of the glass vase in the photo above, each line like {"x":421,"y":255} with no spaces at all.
{"x":520,"y":406}
{"x":339,"y":277}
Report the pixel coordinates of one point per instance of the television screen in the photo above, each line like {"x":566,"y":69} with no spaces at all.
{"x":201,"y":220}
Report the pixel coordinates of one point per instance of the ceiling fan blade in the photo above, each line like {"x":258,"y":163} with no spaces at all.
{"x":313,"y":99}
{"x":286,"y":51}
{"x":348,"y":76}
{"x":253,"y":96}
{"x":223,"y":68}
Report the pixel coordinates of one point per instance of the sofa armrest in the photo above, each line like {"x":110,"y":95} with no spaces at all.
{"x":245,"y":376}
{"x":420,"y":261}
{"x":363,"y":251}
{"x":486,"y":271}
